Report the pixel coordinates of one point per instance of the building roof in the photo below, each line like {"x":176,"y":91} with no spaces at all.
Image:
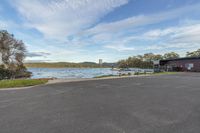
{"x":185,"y":58}
{"x":163,"y":62}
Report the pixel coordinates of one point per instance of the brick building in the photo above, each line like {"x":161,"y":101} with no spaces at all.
{"x":181,"y":64}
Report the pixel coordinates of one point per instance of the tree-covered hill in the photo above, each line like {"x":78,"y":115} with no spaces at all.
{"x":68,"y":65}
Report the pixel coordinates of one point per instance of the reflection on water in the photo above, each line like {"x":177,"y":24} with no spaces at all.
{"x":70,"y":72}
{"x":64,"y":73}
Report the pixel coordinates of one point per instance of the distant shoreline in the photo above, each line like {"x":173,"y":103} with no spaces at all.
{"x":67,"y":67}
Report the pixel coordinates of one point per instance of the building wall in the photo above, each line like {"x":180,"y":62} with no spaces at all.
{"x":185,"y":65}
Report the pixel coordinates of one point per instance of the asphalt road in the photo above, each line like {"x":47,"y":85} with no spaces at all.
{"x":156,"y":104}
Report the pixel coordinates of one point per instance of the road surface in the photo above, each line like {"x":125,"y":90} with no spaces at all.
{"x":153,"y":104}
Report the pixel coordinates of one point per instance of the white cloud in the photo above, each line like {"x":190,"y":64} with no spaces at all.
{"x":7,"y":24}
{"x":119,"y":47}
{"x":185,"y":37}
{"x":114,"y":34}
{"x":69,"y":23}
{"x":64,"y":17}
{"x":181,"y":37}
{"x":37,"y":54}
{"x":141,"y":20}
{"x":187,"y":34}
{"x":155,"y":34}
{"x":52,"y":53}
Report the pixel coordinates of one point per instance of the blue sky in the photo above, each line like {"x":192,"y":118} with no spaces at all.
{"x":87,"y":30}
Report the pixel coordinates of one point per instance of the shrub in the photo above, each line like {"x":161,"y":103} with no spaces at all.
{"x":4,"y":74}
{"x":20,"y":72}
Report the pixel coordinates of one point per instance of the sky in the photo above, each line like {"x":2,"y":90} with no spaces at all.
{"x":89,"y":30}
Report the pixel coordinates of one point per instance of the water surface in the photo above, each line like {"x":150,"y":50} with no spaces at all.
{"x":64,"y":73}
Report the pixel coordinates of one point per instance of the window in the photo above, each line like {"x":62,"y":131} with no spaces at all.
{"x":189,"y":66}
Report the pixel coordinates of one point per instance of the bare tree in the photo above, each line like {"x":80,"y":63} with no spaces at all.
{"x":13,"y":52}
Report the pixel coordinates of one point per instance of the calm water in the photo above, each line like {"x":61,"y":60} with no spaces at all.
{"x":64,"y":73}
{"x":70,"y":72}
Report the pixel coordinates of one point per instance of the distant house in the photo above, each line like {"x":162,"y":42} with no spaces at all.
{"x":1,"y":62}
{"x":100,"y":62}
{"x":191,"y":64}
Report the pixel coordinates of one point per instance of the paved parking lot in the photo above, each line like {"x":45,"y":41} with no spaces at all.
{"x":154,"y":104}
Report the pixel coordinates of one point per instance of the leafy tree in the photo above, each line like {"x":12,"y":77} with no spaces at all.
{"x":151,"y":57}
{"x":148,"y":56}
{"x":139,"y":61}
{"x":158,"y":57}
{"x":171,"y":55}
{"x":194,"y":53}
{"x":122,"y":64}
{"x":13,"y":54}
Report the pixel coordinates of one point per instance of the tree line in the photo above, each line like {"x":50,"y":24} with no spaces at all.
{"x":66,"y":65}
{"x":146,"y":60}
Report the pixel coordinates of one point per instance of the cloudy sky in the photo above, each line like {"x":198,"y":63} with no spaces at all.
{"x":87,"y":30}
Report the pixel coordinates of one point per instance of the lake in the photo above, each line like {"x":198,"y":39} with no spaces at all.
{"x":64,"y":73}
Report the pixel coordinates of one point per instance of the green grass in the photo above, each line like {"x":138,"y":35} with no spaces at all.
{"x":105,"y":76}
{"x":164,"y":73}
{"x":156,"y":73}
{"x":138,"y":73}
{"x":21,"y":83}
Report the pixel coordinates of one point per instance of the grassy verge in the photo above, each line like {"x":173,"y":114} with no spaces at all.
{"x":21,"y":83}
{"x":164,"y":73}
{"x":105,"y":76}
{"x":156,"y":73}
{"x":137,"y":73}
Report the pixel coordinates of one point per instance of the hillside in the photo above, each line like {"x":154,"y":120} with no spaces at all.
{"x":68,"y":65}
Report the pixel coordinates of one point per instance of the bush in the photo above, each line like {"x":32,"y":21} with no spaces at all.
{"x":136,"y":73}
{"x":20,"y":72}
{"x":4,"y":74}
